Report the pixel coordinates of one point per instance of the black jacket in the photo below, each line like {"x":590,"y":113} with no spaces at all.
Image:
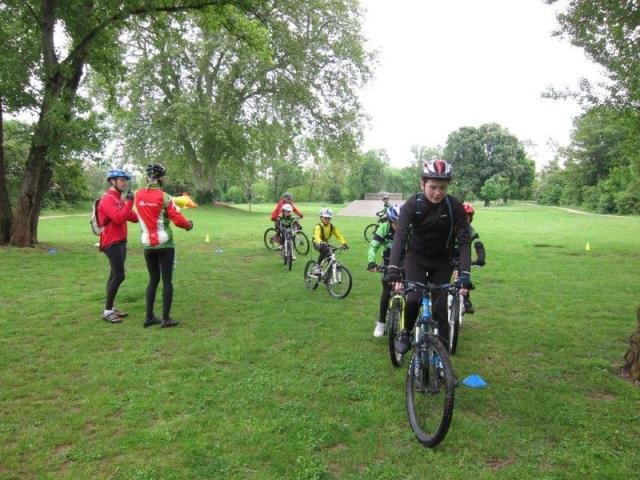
{"x":431,"y":235}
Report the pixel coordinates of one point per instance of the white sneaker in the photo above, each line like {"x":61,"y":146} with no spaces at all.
{"x":379,"y":331}
{"x":316,"y":270}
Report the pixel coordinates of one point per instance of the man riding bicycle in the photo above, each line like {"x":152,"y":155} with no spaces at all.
{"x":430,"y":224}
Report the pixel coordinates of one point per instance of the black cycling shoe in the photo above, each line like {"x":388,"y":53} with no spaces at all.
{"x":168,"y":322}
{"x":148,"y":322}
{"x":402,"y":342}
{"x":468,"y":306}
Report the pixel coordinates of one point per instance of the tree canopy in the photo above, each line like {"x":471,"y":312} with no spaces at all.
{"x":608,"y":31}
{"x":212,"y":81}
{"x":488,"y":152}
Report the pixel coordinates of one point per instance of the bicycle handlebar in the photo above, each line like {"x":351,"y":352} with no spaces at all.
{"x":417,"y":286}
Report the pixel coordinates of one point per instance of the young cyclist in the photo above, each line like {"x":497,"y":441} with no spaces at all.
{"x":383,"y":239}
{"x":479,"y":249}
{"x":286,"y":219}
{"x":322,"y":232}
{"x":287,"y":199}
{"x":382,"y":214}
{"x":156,"y":210}
{"x":430,"y":223}
{"x":114,"y":213}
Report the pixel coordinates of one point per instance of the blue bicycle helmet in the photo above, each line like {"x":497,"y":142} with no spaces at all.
{"x":117,"y":173}
{"x":393,"y":213}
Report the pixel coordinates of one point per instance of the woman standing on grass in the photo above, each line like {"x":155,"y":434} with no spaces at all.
{"x":113,"y":214}
{"x":156,"y":210}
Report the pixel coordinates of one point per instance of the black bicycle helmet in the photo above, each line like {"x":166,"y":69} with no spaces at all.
{"x":156,"y":170}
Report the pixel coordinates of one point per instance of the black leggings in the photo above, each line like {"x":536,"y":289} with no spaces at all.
{"x":116,"y":254}
{"x":384,"y":301}
{"x":160,"y":262}
{"x":417,"y":270}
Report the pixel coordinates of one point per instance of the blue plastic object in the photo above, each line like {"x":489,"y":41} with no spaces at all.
{"x":474,"y":381}
{"x":52,"y":251}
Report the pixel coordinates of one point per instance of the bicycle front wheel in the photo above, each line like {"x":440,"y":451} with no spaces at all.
{"x":454,"y":321}
{"x":301,"y":242}
{"x":430,"y":392}
{"x":393,"y":329}
{"x":310,"y":281}
{"x":370,"y":231}
{"x":269,"y":239}
{"x":340,"y":286}
{"x":288,"y":257}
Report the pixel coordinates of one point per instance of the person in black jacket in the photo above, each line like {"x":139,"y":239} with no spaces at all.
{"x":431,"y":223}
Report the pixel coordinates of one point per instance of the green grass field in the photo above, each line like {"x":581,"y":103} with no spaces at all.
{"x":265,"y":379}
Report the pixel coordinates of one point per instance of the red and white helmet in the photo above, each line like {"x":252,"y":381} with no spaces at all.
{"x":436,"y":170}
{"x":287,"y":208}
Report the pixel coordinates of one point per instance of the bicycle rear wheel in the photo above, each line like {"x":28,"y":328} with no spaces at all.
{"x":454,"y":321}
{"x":430,"y":392}
{"x":301,"y":242}
{"x":340,"y":286}
{"x":268,"y":238}
{"x":393,"y":329}
{"x":370,"y":231}
{"x":310,"y":281}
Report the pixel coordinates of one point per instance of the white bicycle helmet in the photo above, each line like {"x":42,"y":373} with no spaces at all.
{"x":326,"y":212}
{"x":287,"y":208}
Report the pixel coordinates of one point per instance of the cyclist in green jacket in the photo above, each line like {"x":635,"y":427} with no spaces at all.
{"x":383,"y":239}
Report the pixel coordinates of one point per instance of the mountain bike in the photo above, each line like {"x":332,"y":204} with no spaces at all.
{"x":430,"y":385}
{"x":394,"y":322}
{"x":455,"y":308}
{"x":370,"y":230}
{"x":300,"y":240}
{"x":335,"y":276}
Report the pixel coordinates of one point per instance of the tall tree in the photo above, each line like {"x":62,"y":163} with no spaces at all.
{"x":608,"y":32}
{"x":477,"y":154}
{"x":367,"y":174}
{"x":39,"y":77}
{"x":215,"y":98}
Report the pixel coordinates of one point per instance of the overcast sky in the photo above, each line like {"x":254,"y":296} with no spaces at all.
{"x":445,"y":64}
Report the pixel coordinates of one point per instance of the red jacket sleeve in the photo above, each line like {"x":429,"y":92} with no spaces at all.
{"x":297,"y":212}
{"x":276,"y":211}
{"x":176,"y":217}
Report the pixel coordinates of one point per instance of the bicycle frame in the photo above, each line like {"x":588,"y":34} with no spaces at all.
{"x":328,"y":267}
{"x":287,"y":241}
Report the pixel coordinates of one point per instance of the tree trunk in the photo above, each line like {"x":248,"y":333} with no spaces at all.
{"x":631,"y":366}
{"x":34,"y":186}
{"x":6,"y":216}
